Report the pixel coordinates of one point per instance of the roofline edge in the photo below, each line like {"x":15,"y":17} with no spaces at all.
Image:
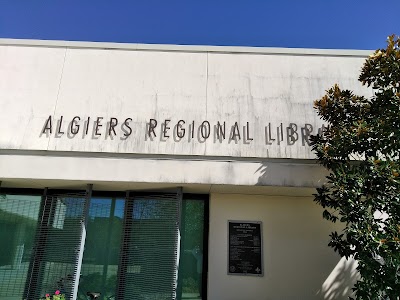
{"x":184,"y":48}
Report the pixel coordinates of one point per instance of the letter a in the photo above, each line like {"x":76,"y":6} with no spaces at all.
{"x":47,"y":125}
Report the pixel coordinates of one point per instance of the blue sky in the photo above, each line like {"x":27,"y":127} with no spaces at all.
{"x":338,"y":24}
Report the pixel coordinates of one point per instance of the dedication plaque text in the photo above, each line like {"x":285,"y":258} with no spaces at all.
{"x":245,"y":248}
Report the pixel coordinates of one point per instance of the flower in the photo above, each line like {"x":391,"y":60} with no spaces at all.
{"x":57,"y":296}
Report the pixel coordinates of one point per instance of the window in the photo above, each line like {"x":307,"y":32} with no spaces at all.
{"x":18,"y":224}
{"x":142,"y":246}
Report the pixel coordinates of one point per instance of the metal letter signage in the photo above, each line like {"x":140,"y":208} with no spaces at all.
{"x":176,"y":131}
{"x":245,"y":248}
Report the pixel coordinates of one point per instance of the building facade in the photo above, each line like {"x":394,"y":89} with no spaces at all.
{"x":165,"y":172}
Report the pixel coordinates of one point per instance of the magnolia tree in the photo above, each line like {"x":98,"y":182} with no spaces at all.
{"x":360,"y":148}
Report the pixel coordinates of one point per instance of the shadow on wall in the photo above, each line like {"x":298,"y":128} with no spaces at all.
{"x":339,"y":283}
{"x":290,"y":174}
{"x":327,"y":276}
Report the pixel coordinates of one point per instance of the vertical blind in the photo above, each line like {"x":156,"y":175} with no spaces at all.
{"x":149,"y":249}
{"x":57,"y":245}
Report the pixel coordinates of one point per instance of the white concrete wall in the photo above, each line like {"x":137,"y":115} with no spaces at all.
{"x":298,"y":265}
{"x":258,"y":91}
{"x":55,"y":171}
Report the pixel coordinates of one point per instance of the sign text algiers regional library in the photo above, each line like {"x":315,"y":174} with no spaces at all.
{"x":179,"y":130}
{"x":165,"y":172}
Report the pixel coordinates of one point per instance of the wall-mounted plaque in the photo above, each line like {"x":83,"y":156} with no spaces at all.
{"x":245,"y":248}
